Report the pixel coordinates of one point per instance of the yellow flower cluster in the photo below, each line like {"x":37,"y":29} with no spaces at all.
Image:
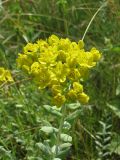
{"x":59,"y":64}
{"x":5,"y":76}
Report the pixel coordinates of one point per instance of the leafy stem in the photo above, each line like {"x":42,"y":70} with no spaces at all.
{"x":63,"y":109}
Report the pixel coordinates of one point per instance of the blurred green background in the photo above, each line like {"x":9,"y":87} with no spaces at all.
{"x":23,"y":21}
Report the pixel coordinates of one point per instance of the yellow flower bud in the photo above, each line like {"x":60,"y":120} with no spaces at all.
{"x":83,"y":98}
{"x":96,"y":54}
{"x":81,"y":44}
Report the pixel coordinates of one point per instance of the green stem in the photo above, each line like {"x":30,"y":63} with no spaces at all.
{"x":60,"y":128}
{"x":103,"y":5}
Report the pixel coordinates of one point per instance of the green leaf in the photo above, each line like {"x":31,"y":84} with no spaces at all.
{"x":43,"y":148}
{"x":4,"y":152}
{"x":116,"y":49}
{"x":65,"y":145}
{"x":19,"y":105}
{"x":34,"y":158}
{"x":118,"y":90}
{"x":66,"y":138}
{"x":73,"y":106}
{"x":63,"y":152}
{"x":114,"y":109}
{"x":66,"y":125}
{"x":117,"y":149}
{"x":52,"y":110}
{"x":115,"y":144}
{"x":54,"y":149}
{"x":48,"y":129}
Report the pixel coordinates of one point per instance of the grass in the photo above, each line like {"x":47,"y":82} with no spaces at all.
{"x":21,"y":109}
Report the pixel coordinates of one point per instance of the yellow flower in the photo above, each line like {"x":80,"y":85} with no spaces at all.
{"x":5,"y":76}
{"x":48,"y":58}
{"x":43,"y":45}
{"x":84,"y":72}
{"x":35,"y":68}
{"x":59,"y":100}
{"x":43,"y":79}
{"x":72,"y":94}
{"x":56,"y":89}
{"x":96,"y":54}
{"x":83,"y":98}
{"x":53,"y":39}
{"x":72,"y":58}
{"x":61,"y":71}
{"x":62,"y":55}
{"x":77,"y":87}
{"x":74,"y":74}
{"x":30,"y":48}
{"x":74,"y":46}
{"x":8,"y":76}
{"x":57,"y":63}
{"x":85,"y":59}
{"x":24,"y":60}
{"x":64,"y":44}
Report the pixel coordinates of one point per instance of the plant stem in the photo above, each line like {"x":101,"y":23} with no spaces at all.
{"x":60,"y":128}
{"x":103,"y":5}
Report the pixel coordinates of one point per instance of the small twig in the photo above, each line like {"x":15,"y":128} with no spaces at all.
{"x":5,"y":1}
{"x":17,"y":82}
{"x":2,"y":85}
{"x":37,"y":15}
{"x":30,"y":129}
{"x":88,"y":132}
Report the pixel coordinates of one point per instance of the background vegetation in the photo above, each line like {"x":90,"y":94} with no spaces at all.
{"x":96,"y":131}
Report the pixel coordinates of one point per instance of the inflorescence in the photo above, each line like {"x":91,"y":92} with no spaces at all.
{"x":60,"y":66}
